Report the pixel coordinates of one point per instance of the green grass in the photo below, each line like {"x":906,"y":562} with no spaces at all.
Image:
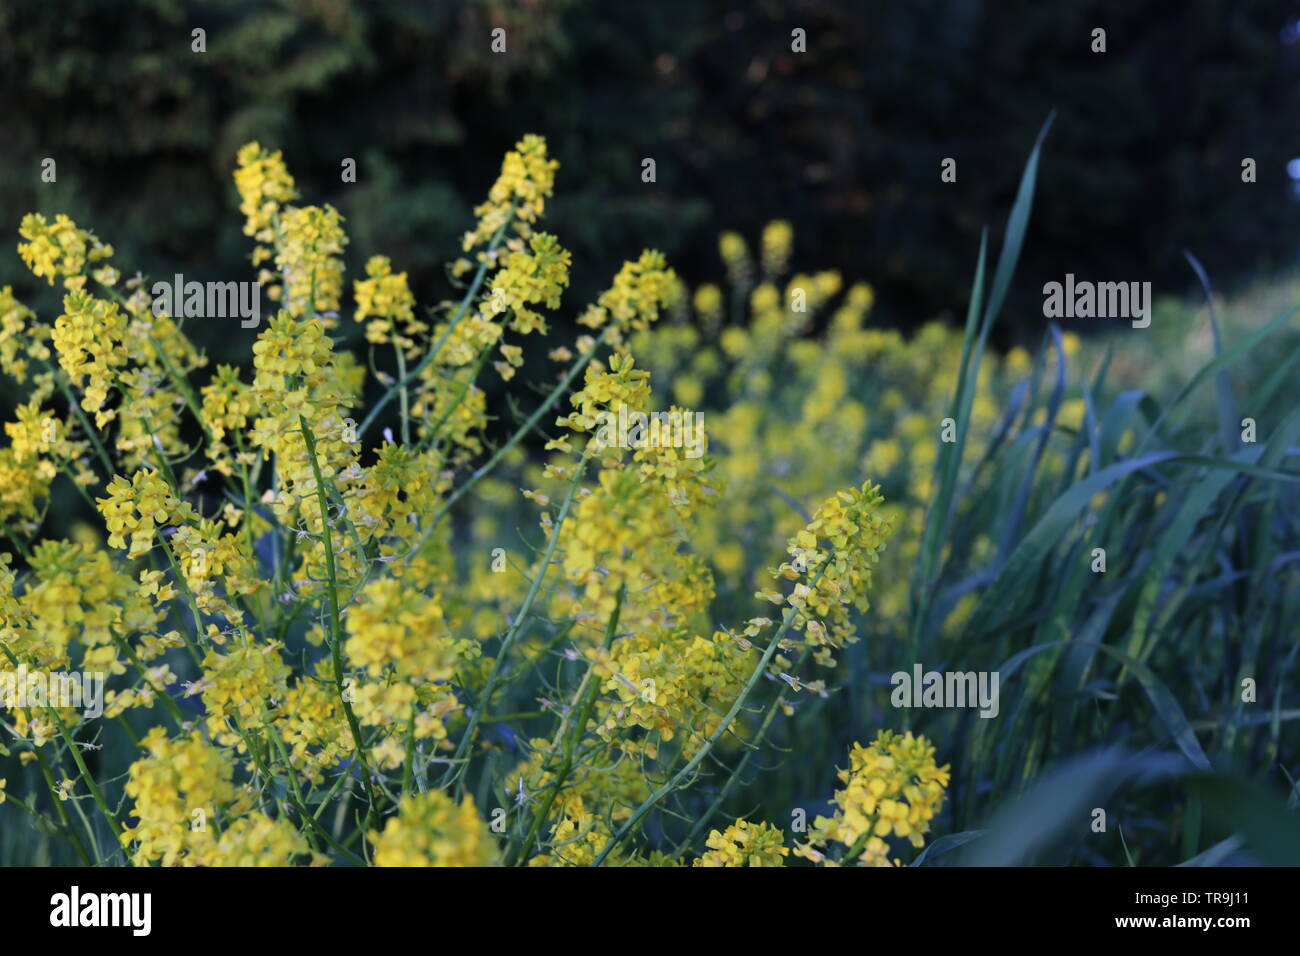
{"x":1120,"y":690}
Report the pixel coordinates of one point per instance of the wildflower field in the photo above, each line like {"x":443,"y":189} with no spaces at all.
{"x":698,"y":591}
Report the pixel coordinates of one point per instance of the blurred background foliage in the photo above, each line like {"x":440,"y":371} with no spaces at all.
{"x":844,"y":141}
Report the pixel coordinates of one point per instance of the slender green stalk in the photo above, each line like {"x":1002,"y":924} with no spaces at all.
{"x":561,"y":775}
{"x":470,"y":293}
{"x":405,"y":394}
{"x":332,"y":601}
{"x":679,"y":778}
{"x":703,"y":819}
{"x":516,"y":628}
{"x":86,"y":777}
{"x":514,"y":440}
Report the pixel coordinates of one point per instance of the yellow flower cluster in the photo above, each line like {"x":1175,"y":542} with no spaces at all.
{"x":310,"y":261}
{"x":264,"y":185}
{"x":240,"y":688}
{"x":315,"y":619}
{"x":390,"y":626}
{"x":431,"y":830}
{"x":312,"y":725}
{"x":183,"y":795}
{"x":385,"y":298}
{"x":298,"y":378}
{"x":591,"y":805}
{"x":745,"y":844}
{"x":89,"y":337}
{"x":138,"y":507}
{"x":228,"y":406}
{"x":59,"y":249}
{"x":527,"y":180}
{"x":75,"y":596}
{"x":22,"y":340}
{"x":640,"y":292}
{"x":535,"y":274}
{"x":397,"y":632}
{"x":831,"y":579}
{"x":735,"y":253}
{"x":663,"y":682}
{"x":208,"y":557}
{"x":892,"y":787}
{"x":604,"y":390}
{"x":777,"y":240}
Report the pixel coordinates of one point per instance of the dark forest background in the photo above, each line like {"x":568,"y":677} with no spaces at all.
{"x":845,"y":140}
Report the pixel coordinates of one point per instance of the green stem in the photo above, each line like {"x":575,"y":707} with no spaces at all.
{"x":61,"y":380}
{"x":461,"y":309}
{"x":405,"y":395}
{"x":332,"y":600}
{"x":703,"y":820}
{"x":706,"y":748}
{"x":571,"y":744}
{"x":516,"y":627}
{"x":523,"y":430}
{"x":86,"y":777}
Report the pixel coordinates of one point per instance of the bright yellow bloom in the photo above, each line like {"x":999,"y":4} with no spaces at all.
{"x":385,"y":298}
{"x":138,"y":508}
{"x":527,"y":278}
{"x":526,"y":182}
{"x":830,"y":580}
{"x":641,"y":290}
{"x":310,"y":259}
{"x":89,"y":337}
{"x":745,"y":844}
{"x":59,"y":249}
{"x":891,"y":787}
{"x":431,"y":830}
{"x":180,"y":790}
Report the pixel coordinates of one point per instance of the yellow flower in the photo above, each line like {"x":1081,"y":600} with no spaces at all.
{"x":180,"y":790}
{"x":745,"y":844}
{"x":264,"y":185}
{"x":385,"y":298}
{"x":431,"y":830}
{"x":309,"y":258}
{"x":604,"y":391}
{"x":89,"y":337}
{"x":526,"y":182}
{"x":527,"y":278}
{"x":240,"y":686}
{"x":829,"y":581}
{"x":735,"y":253}
{"x":640,"y":291}
{"x":777,"y":237}
{"x":59,"y":249}
{"x":891,"y":787}
{"x":254,"y":840}
{"x":708,"y":304}
{"x":138,"y":508}
{"x":21,"y":338}
{"x":394,"y":625}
